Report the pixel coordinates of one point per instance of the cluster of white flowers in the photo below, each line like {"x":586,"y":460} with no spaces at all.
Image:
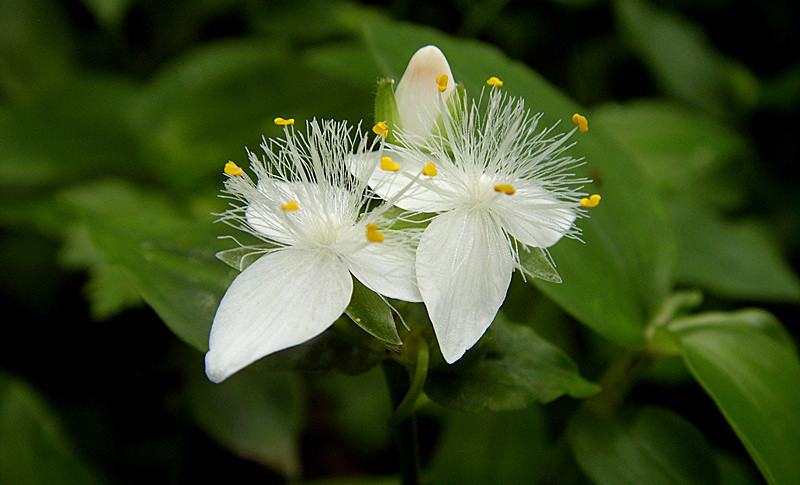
{"x":491,"y":182}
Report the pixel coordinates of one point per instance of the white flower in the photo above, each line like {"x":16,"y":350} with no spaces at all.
{"x":310,"y":209}
{"x":496,"y":182}
{"x":426,"y":80}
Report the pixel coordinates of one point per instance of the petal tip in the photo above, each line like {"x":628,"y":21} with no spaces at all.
{"x":215,"y":372}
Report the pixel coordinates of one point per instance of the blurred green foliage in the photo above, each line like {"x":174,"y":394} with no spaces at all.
{"x":116,"y":118}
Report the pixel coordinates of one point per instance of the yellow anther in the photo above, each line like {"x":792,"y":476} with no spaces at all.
{"x":232,"y":169}
{"x":282,"y":122}
{"x":373,"y":234}
{"x":592,"y":201}
{"x":358,"y":320}
{"x":430,"y":169}
{"x":388,"y":165}
{"x":581,"y":121}
{"x":290,"y":206}
{"x":380,"y":128}
{"x":507,"y":189}
{"x":494,"y":81}
{"x":441,"y":80}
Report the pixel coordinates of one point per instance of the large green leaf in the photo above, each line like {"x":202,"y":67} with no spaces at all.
{"x":680,"y":148}
{"x":497,"y":448}
{"x":682,"y":60}
{"x":202,"y":109}
{"x":687,"y":154}
{"x":33,"y":447}
{"x":749,"y":366}
{"x":168,"y":256}
{"x":625,"y":268}
{"x":732,"y":259}
{"x":257,"y":414}
{"x":36,"y":47}
{"x":519,"y":368}
{"x":647,"y":445}
{"x":74,"y":132}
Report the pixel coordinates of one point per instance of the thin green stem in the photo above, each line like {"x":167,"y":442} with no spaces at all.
{"x":405,"y":430}
{"x":405,"y":408}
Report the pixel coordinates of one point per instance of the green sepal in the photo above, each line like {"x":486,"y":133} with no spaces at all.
{"x":536,"y":262}
{"x":386,"y":106}
{"x":371,"y":312}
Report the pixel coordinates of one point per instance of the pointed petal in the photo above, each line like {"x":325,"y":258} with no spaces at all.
{"x":386,"y":269}
{"x":534,"y":216}
{"x":464,"y":266}
{"x":418,"y":94}
{"x":283,"y":299}
{"x":422,"y":195}
{"x":266,"y":217}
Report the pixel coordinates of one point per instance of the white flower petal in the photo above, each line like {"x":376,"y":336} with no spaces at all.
{"x":405,"y":188}
{"x":464,"y":266}
{"x":418,"y":94}
{"x":270,"y":221}
{"x":386,"y":269}
{"x":534,"y":216}
{"x":283,"y":299}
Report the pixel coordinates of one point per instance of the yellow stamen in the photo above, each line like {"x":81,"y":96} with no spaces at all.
{"x":507,"y":189}
{"x":358,"y":320}
{"x":494,"y":81}
{"x":430,"y":169}
{"x":282,"y":122}
{"x":232,"y":169}
{"x":373,"y":234}
{"x":592,"y":201}
{"x":290,"y":206}
{"x":388,"y":165}
{"x":380,"y":128}
{"x":581,"y":121}
{"x":441,"y":80}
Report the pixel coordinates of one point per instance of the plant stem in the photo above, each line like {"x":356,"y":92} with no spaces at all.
{"x":617,"y":382}
{"x":405,"y":430}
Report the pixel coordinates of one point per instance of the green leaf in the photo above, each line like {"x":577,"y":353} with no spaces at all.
{"x":33,"y":447}
{"x":626,"y":266}
{"x":204,"y":107}
{"x":690,"y":68}
{"x":371,"y":312}
{"x":168,"y":256}
{"x":680,"y":148}
{"x":492,"y":448}
{"x":736,"y":470}
{"x":75,"y":131}
{"x":537,"y":263}
{"x":109,"y":290}
{"x":519,"y":368}
{"x":646,"y":445}
{"x":257,"y":414}
{"x":36,"y":47}
{"x":737,"y":260}
{"x":749,"y":366}
{"x":109,"y":13}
